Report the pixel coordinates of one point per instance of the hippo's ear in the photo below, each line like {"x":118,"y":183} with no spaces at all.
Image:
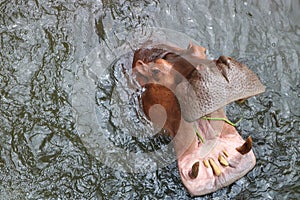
{"x":140,"y":67}
{"x":196,"y":50}
{"x":140,"y":63}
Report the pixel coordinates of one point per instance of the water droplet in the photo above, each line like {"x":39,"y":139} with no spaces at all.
{"x":82,"y":135}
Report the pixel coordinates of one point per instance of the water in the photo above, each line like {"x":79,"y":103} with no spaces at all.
{"x":49,"y":49}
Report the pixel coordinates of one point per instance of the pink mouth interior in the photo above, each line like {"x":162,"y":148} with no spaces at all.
{"x":218,"y":136}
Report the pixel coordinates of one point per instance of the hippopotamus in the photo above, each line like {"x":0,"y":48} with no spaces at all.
{"x":185,"y":94}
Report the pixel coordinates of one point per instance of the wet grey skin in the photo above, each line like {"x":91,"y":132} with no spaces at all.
{"x":214,"y":85}
{"x":193,"y":91}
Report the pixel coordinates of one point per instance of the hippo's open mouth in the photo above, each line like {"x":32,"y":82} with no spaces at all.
{"x":217,"y":156}
{"x":191,"y":92}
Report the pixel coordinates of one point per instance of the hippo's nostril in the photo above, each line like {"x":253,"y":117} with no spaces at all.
{"x":246,"y":147}
{"x":221,"y":63}
{"x":225,"y":60}
{"x":195,"y":169}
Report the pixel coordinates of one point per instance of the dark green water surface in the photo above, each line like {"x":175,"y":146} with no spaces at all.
{"x":58,"y":57}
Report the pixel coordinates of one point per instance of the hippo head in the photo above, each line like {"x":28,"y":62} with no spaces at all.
{"x":185,"y":94}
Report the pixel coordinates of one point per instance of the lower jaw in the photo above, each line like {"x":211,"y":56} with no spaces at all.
{"x":202,"y":167}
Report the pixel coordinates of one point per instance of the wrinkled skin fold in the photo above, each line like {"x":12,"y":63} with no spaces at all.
{"x":182,"y":87}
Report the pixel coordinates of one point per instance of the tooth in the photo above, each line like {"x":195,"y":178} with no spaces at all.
{"x":223,"y":161}
{"x":215,"y":167}
{"x":195,"y":169}
{"x":206,"y":164}
{"x":246,"y":147}
{"x":241,"y":101}
{"x":226,"y":153}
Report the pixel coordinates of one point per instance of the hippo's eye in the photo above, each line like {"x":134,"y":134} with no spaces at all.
{"x":155,"y":72}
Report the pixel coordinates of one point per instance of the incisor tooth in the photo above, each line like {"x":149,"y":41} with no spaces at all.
{"x":206,"y":164}
{"x":215,"y":167}
{"x":195,"y":169}
{"x":223,"y":161}
{"x":226,"y":153}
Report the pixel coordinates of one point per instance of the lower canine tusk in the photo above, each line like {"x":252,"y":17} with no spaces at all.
{"x":246,"y":147}
{"x":195,"y":169}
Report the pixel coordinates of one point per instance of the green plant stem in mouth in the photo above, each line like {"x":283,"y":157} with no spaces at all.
{"x":198,"y":134}
{"x":222,"y":119}
{"x":214,"y":118}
